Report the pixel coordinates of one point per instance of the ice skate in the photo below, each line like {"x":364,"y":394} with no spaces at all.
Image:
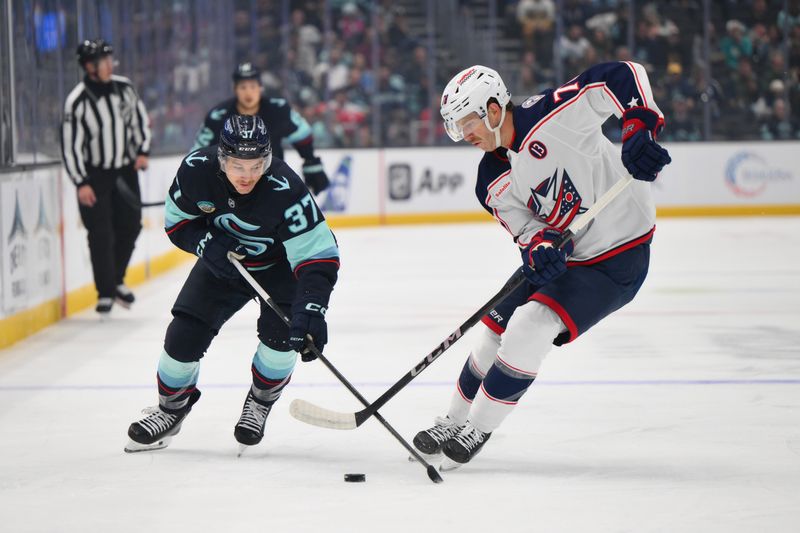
{"x":463,"y":447}
{"x":124,"y":296}
{"x":249,"y":429}
{"x":430,"y":441}
{"x":103,"y":308}
{"x":155,"y":431}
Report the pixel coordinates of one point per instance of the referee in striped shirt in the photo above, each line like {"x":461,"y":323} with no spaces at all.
{"x":105,"y":141}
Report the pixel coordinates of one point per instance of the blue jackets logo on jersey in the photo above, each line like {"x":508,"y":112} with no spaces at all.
{"x":566,"y":201}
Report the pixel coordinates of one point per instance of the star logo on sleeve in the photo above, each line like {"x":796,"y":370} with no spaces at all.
{"x":634,"y":102}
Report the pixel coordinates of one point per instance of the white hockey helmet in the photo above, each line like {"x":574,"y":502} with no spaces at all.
{"x":469,"y":92}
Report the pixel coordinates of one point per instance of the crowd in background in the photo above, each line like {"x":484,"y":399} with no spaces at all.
{"x":369,"y":73}
{"x":754,"y":58}
{"x":752,"y":90}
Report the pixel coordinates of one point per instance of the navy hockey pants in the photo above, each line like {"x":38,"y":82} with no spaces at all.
{"x":206,"y":302}
{"x":582,"y":296}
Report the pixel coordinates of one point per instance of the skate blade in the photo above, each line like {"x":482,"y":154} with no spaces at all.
{"x":449,"y":465}
{"x":242,"y":449}
{"x":134,"y":447}
{"x":123,"y":303}
{"x":104,"y":317}
{"x":429,"y":457}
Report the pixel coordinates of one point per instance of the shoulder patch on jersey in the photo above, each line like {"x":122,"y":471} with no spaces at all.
{"x":500,"y":185}
{"x":206,"y":207}
{"x":532,"y":100}
{"x":281,"y":185}
{"x":537,"y":149}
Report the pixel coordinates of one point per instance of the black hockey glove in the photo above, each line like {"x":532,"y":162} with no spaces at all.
{"x":642,"y":156}
{"x":314,"y":175}
{"x":213,"y":251}
{"x":541,"y":262}
{"x":308,"y":319}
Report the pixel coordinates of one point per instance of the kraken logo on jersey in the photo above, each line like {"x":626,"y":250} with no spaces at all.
{"x":191,"y":157}
{"x":233,"y":225}
{"x":217,"y":114}
{"x":556,"y":205}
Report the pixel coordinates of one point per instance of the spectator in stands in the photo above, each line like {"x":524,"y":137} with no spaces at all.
{"x":536,"y":19}
{"x":574,"y":47}
{"x":788,"y":19}
{"x":351,"y":25}
{"x":736,"y":44}
{"x":306,"y":39}
{"x":683,"y":125}
{"x":781,"y":126}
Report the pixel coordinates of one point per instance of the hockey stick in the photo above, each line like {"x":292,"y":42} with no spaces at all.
{"x":319,"y":416}
{"x":432,"y":473}
{"x":130,"y":197}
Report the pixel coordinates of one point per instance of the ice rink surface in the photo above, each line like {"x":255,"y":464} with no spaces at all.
{"x":677,"y":414}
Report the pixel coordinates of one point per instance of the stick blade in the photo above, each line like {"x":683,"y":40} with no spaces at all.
{"x":319,"y":416}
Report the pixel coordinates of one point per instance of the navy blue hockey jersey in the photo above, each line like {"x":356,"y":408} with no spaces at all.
{"x":282,"y":122}
{"x":277,"y":221}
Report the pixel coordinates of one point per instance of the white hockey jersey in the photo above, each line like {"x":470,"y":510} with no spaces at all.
{"x":559,"y":163}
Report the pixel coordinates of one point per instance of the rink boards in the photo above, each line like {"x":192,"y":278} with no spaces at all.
{"x":44,"y":260}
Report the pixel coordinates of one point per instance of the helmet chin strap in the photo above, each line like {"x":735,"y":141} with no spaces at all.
{"x":496,"y":130}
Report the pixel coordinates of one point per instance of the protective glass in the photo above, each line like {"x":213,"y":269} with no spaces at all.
{"x":457,"y":130}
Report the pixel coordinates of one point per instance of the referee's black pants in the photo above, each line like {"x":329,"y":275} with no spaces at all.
{"x":113,"y":223}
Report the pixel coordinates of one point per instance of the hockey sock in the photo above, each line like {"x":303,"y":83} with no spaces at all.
{"x":272,"y":371}
{"x":177,"y":380}
{"x":466,"y":387}
{"x":501,"y":389}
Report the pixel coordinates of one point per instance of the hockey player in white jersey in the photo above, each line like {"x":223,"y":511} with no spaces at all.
{"x":546,"y":162}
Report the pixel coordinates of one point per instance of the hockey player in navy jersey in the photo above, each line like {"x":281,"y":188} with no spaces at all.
{"x":235,"y":197}
{"x":546,"y":162}
{"x":283,"y":123}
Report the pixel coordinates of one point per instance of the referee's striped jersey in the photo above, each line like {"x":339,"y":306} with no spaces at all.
{"x":105,"y":127}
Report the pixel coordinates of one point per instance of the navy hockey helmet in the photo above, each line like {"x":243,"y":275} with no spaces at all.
{"x":92,"y":50}
{"x":244,"y":137}
{"x":246,"y":71}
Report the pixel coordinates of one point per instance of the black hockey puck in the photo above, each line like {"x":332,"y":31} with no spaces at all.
{"x":355,"y":478}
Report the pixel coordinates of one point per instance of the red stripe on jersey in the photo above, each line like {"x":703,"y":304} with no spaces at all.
{"x":638,"y":84}
{"x":614,"y":99}
{"x":177,"y":226}
{"x":560,"y":109}
{"x":492,"y":184}
{"x":614,"y":251}
{"x":301,"y":265}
